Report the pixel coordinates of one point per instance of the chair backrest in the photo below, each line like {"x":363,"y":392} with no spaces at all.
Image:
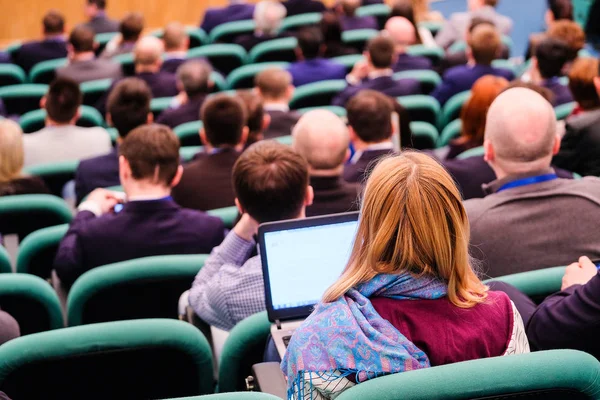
{"x":38,"y":250}
{"x":243,"y":77}
{"x":337,"y":110}
{"x":557,"y":374}
{"x":347,"y":61}
{"x":189,"y":133}
{"x":45,"y":71}
{"x":93,"y":90}
{"x":55,"y":175}
{"x":197,"y":36}
{"x":35,"y":120}
{"x":506,"y":64}
{"x":13,"y":47}
{"x":127,"y":63}
{"x":474,"y":152}
{"x":424,"y":135}
{"x":128,"y":359}
{"x":536,"y":284}
{"x":147,"y":287}
{"x":160,"y":104}
{"x":228,"y":215}
{"x":317,"y":94}
{"x":296,"y":22}
{"x":219,"y":82}
{"x":435,"y":54}
{"x":102,"y":39}
{"x":274,"y":50}
{"x":31,"y":301}
{"x":564,"y":110}
{"x":358,"y":38}
{"x":421,"y":108}
{"x":461,"y":45}
{"x":428,"y":79}
{"x":188,"y":152}
{"x":452,"y":108}
{"x":223,"y":57}
{"x":432,"y":26}
{"x":5,"y":262}
{"x":379,"y":11}
{"x":24,"y":214}
{"x":11,"y":74}
{"x":243,"y":348}
{"x":230,"y":30}
{"x":451,"y":131}
{"x":20,"y":99}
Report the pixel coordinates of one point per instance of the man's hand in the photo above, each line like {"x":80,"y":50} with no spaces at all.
{"x":579,"y":273}
{"x":360,"y":71}
{"x":104,"y":199}
{"x":246,"y":228}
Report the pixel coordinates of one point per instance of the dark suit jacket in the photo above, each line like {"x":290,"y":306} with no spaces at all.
{"x":335,"y":49}
{"x":24,"y":185}
{"x":318,"y":69}
{"x":206,"y":182}
{"x":170,"y":65}
{"x":32,"y":53}
{"x":221,"y":15}
{"x":187,"y":112}
{"x":359,"y":171}
{"x":459,"y":79}
{"x":384,"y":84}
{"x":354,"y":22}
{"x":281,"y":124}
{"x":562,"y":93}
{"x":406,"y":62}
{"x":97,"y":172}
{"x":295,"y":7}
{"x":250,"y":40}
{"x":580,"y":147}
{"x":332,"y":196}
{"x":91,"y":70}
{"x":141,"y":229}
{"x":455,"y":59}
{"x":102,"y":24}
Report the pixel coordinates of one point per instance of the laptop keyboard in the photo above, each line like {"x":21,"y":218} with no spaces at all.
{"x":286,"y":340}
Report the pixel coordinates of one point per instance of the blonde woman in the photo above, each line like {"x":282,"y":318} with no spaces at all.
{"x":12,"y":180}
{"x":408,"y":298}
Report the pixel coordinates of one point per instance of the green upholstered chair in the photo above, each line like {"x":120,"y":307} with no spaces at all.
{"x":296,"y":22}
{"x":233,"y":396}
{"x":230,"y":30}
{"x":429,"y":79}
{"x":432,"y":26}
{"x":451,"y":131}
{"x":144,"y":359}
{"x":55,"y":175}
{"x":358,"y":38}
{"x":5,"y":263}
{"x":102,"y":39}
{"x":506,"y":64}
{"x":34,"y":120}
{"x":474,"y":152}
{"x":45,"y":71}
{"x":337,"y":110}
{"x":451,"y":110}
{"x":37,"y":251}
{"x":379,"y":11}
{"x":461,"y":45}
{"x":564,"y":110}
{"x":317,"y":94}
{"x":19,"y":99}
{"x":243,"y":77}
{"x":435,"y":54}
{"x":11,"y":74}
{"x":421,"y":108}
{"x":243,"y":348}
{"x":127,"y":63}
{"x":160,"y":104}
{"x":227,"y":214}
{"x":536,"y":284}
{"x":223,"y":57}
{"x":13,"y":47}
{"x":189,"y":133}
{"x":147,"y":287}
{"x":347,"y":61}
{"x":24,"y":214}
{"x":31,"y":301}
{"x":287,"y":140}
{"x":219,"y":82}
{"x":93,"y":90}
{"x":424,"y":135}
{"x":274,"y":50}
{"x":557,"y":374}
{"x":188,"y":152}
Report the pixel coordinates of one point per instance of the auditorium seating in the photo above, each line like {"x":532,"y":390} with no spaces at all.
{"x":243,"y":77}
{"x":102,"y":39}
{"x":274,"y":50}
{"x":358,"y":38}
{"x":126,"y":61}
{"x":348,"y":61}
{"x":34,"y":120}
{"x":228,"y":31}
{"x":536,"y":284}
{"x":5,"y":263}
{"x":297,"y":22}
{"x":380,"y":11}
{"x":94,"y":90}
{"x":424,"y":135}
{"x":45,"y":72}
{"x":55,"y":175}
{"x":189,"y":133}
{"x":435,"y":54}
{"x":317,"y":93}
{"x":224,"y":57}
{"x":421,"y":108}
{"x":37,"y":251}
{"x":158,"y":105}
{"x":564,"y":110}
{"x":11,"y":74}
{"x":429,"y":79}
{"x":450,"y":131}
{"x":228,"y":215}
{"x":22,"y":98}
{"x":452,"y":108}
{"x":234,"y":396}
{"x":474,"y":152}
{"x":197,"y":36}
{"x":337,"y":110}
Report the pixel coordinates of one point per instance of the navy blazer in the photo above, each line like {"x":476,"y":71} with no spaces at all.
{"x":230,"y":13}
{"x":29,"y":54}
{"x":384,"y":84}
{"x":562,"y":93}
{"x":317,"y":69}
{"x":406,"y":62}
{"x":102,"y":24}
{"x":187,"y":112}
{"x":141,"y":229}
{"x":170,"y":65}
{"x":354,"y":22}
{"x":333,"y":195}
{"x":97,"y":172}
{"x":359,"y":171}
{"x":461,"y":78}
{"x":295,"y":7}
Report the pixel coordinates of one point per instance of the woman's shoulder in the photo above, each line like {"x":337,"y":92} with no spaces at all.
{"x":24,"y":185}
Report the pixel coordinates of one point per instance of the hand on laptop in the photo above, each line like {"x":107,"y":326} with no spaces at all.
{"x":246,"y":228}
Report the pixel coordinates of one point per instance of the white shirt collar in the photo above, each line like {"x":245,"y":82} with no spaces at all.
{"x":276,"y":107}
{"x":378,"y":74}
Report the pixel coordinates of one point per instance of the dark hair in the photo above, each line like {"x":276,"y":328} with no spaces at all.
{"x":131,"y":26}
{"x":561,"y":9}
{"x":381,"y":51}
{"x":129,"y":105}
{"x":63,"y":100}
{"x":369,"y":114}
{"x":551,"y":55}
{"x":152,"y":152}
{"x":54,"y":23}
{"x":270,"y":181}
{"x":404,"y":8}
{"x":310,"y":41}
{"x":331,"y":28}
{"x":82,"y":39}
{"x":223,"y":119}
{"x":101,"y":4}
{"x":255,"y":114}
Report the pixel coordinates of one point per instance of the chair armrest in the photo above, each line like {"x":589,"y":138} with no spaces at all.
{"x":268,"y":378}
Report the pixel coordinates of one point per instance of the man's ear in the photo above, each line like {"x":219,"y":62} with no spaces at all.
{"x":266,"y":122}
{"x":44,"y":99}
{"x":239,"y":206}
{"x":347,"y":156}
{"x":150,"y":118}
{"x":124,"y":169}
{"x":597,"y":84}
{"x":177,"y":177}
{"x":556,"y":146}
{"x":309,"y":196}
{"x":203,"y":140}
{"x":352,"y":133}
{"x":289,"y":93}
{"x":108,"y":119}
{"x":488,"y":151}
{"x":244,"y":137}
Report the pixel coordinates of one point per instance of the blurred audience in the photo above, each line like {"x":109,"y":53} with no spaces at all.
{"x":557,"y":10}
{"x":547,"y":65}
{"x":404,"y":9}
{"x":276,"y":90}
{"x":331,"y":29}
{"x":268,"y":15}
{"x":236,"y":10}
{"x":130,"y":31}
{"x":257,"y":120}
{"x":295,"y":7}
{"x":403,"y":33}
{"x":98,"y":21}
{"x":423,"y":13}
{"x":571,"y":33}
{"x":176,"y":44}
{"x":348,"y":18}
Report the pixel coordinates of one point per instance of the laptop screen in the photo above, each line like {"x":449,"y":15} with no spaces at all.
{"x":302,"y":259}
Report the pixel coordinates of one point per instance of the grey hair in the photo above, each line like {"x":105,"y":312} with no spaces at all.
{"x":268,"y":15}
{"x":194,"y":76}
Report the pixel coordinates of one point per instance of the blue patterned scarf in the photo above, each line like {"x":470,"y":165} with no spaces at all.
{"x":350,"y":337}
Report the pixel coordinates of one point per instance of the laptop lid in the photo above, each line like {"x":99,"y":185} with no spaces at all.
{"x":301,"y":259}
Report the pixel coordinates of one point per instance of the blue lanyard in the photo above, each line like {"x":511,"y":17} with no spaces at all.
{"x":527,"y":181}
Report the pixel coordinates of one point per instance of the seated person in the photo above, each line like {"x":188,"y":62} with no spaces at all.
{"x":61,"y":139}
{"x":98,"y":21}
{"x":295,"y":7}
{"x":206,"y":181}
{"x":275,"y":87}
{"x":423,"y":13}
{"x":268,"y":15}
{"x":128,"y":108}
{"x":331,"y":29}
{"x":83,"y":65}
{"x":322,"y":138}
{"x":375,"y":73}
{"x":557,"y":10}
{"x":403,"y":33}
{"x":405,"y":9}
{"x":52,"y":46}
{"x":484,"y":47}
{"x":271,"y":184}
{"x":257,"y":120}
{"x":311,"y":66}
{"x":236,"y":10}
{"x":408,"y":286}
{"x":149,"y":224}
{"x":348,"y":18}
{"x":176,"y":43}
{"x":572,"y":34}
{"x":193,"y":79}
{"x":547,"y":65}
{"x":543,"y":220}
{"x":12,"y":179}
{"x":130,"y":31}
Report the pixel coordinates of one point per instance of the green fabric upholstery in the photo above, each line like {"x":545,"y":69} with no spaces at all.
{"x":20,"y":99}
{"x":424,"y":135}
{"x":461,"y":45}
{"x":429,"y":79}
{"x":114,"y":134}
{"x":45,"y":72}
{"x":452,"y":108}
{"x":197,"y":36}
{"x":536,"y":284}
{"x":274,"y":50}
{"x":317,"y":94}
{"x":348,"y":61}
{"x":34,"y":120}
{"x":127,"y":64}
{"x":421,"y":108}
{"x":435,"y":54}
{"x":432,"y":26}
{"x":93,"y":90}
{"x":233,"y":396}
{"x":189,"y":133}
{"x":158,"y":105}
{"x":38,"y":250}
{"x":243,"y":348}
{"x":295,"y":22}
{"x":31,"y":301}
{"x":55,"y":175}
{"x":229,"y":30}
{"x":228,"y":215}
{"x":451,"y":131}
{"x":379,"y":11}
{"x":288,"y":140}
{"x":223,"y":57}
{"x":153,"y":358}
{"x":219,"y":83}
{"x":358,"y":38}
{"x":188,"y":152}
{"x":474,"y":152}
{"x":506,"y":64}
{"x":564,"y":110}
{"x":573,"y":371}
{"x":147,"y":287}
{"x":243,"y":77}
{"x":11,"y":74}
{"x":5,"y":263}
{"x":337,"y":110}
{"x":102,"y":39}
{"x":13,"y":47}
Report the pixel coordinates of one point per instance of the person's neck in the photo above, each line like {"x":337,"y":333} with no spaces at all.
{"x":145,"y":69}
{"x":84,"y":56}
{"x":182,"y":53}
{"x":517,"y":169}
{"x":146,"y":190}
{"x":326,"y":173}
{"x":49,"y":122}
{"x":54,"y":36}
{"x":360,"y":145}
{"x":209,"y":148}
{"x":275,"y":102}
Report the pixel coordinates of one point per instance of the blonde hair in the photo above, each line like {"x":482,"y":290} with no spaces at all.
{"x":412,"y":220}
{"x":11,"y":150}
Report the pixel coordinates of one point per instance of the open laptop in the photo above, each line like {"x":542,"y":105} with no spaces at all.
{"x":301,"y":259}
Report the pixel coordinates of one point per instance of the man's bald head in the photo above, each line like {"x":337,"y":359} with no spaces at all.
{"x":175,"y":37}
{"x":148,"y":51}
{"x":322,"y":138}
{"x":402,"y":31}
{"x":520,"y":133}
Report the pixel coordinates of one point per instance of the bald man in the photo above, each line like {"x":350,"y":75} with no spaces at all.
{"x":402,"y":32}
{"x":177,"y":42}
{"x":322,"y":139}
{"x":531,"y":219}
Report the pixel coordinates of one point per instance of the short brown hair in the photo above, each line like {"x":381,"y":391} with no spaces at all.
{"x":152,"y":152}
{"x":54,"y":22}
{"x":63,"y":100}
{"x":255,"y":114}
{"x":485,"y":44}
{"x":273,"y":82}
{"x":492,"y":3}
{"x":381,"y":51}
{"x":129,"y":105}
{"x":101,"y":4}
{"x":82,"y":39}
{"x":174,"y":35}
{"x":569,"y":32}
{"x":581,"y":82}
{"x":131,"y":26}
{"x":270,"y":181}
{"x":369,"y":114}
{"x":224,"y":119}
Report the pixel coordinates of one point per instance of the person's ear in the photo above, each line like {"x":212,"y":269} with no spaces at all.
{"x":108,"y":118}
{"x":124,"y":170}
{"x":488,"y":151}
{"x":203,"y":137}
{"x":347,"y":156}
{"x":352,"y":133}
{"x":299,"y":55}
{"x":239,"y":206}
{"x":597,"y":84}
{"x":556,"y":146}
{"x":289,"y":93}
{"x":266,"y":122}
{"x":187,"y":43}
{"x":309,"y":196}
{"x":177,"y":177}
{"x":96,"y":45}
{"x":244,"y":137}
{"x":44,"y":99}
{"x":149,"y":118}
{"x":179,"y":86}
